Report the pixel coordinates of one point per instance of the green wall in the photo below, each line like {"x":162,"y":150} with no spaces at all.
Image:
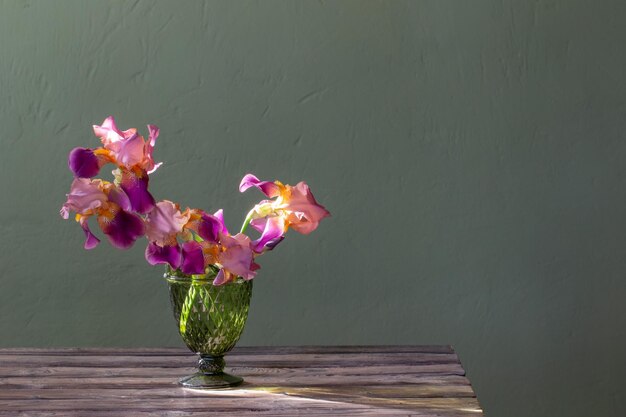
{"x":471,"y":153}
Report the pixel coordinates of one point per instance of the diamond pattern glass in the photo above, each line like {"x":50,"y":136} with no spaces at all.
{"x":210,"y":320}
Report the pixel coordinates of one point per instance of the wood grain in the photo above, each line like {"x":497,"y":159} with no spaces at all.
{"x":279,"y":381}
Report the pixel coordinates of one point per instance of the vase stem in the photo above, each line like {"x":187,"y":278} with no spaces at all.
{"x":211,"y":374}
{"x":211,"y":365}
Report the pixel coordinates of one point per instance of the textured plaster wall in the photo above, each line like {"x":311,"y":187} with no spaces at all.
{"x":471,"y":152}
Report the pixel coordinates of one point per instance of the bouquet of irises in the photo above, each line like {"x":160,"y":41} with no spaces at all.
{"x":190,"y":241}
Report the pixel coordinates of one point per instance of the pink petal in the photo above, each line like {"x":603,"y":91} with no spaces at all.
{"x":148,"y":162}
{"x":220,"y":216}
{"x":220,"y":278}
{"x":131,"y":151}
{"x":259,"y":224}
{"x":305,"y":212}
{"x":85,"y":195}
{"x":91,"y":241}
{"x":108,"y":133}
{"x":129,"y":133}
{"x":164,"y":222}
{"x":269,"y":188}
{"x":238,"y":256}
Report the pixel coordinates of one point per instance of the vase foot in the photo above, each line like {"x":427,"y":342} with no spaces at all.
{"x":210,"y":381}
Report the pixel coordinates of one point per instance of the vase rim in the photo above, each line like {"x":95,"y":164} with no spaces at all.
{"x":206,"y":278}
{"x":174,"y":277}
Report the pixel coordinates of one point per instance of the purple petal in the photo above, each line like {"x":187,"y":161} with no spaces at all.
{"x":193,"y":259}
{"x":171,"y":255}
{"x":83,"y":163}
{"x":136,"y":188}
{"x":271,"y":244}
{"x":123,"y":229}
{"x":91,"y":241}
{"x":209,"y":227}
{"x":119,"y":197}
{"x":271,"y":236}
{"x":269,"y":188}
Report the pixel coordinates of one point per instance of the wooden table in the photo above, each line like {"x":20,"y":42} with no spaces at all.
{"x":279,"y":381}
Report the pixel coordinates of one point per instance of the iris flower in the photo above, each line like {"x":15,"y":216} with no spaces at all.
{"x":208,"y":227}
{"x":130,"y":152}
{"x":128,"y":148}
{"x":110,"y":204}
{"x":164,"y":224}
{"x":292,"y":207}
{"x":234,"y":255}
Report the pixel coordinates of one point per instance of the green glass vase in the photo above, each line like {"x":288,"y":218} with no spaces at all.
{"x":210,"y":320}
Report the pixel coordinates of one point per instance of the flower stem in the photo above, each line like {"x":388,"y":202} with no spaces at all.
{"x":247,"y":221}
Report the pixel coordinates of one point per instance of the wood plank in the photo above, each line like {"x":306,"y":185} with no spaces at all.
{"x":370,"y":412}
{"x":245,"y":350}
{"x":144,"y":371}
{"x":142,"y":382}
{"x":374,"y":391}
{"x":237,"y":405}
{"x":287,"y":360}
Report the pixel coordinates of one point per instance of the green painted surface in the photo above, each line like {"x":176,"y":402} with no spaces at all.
{"x":472,"y":155}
